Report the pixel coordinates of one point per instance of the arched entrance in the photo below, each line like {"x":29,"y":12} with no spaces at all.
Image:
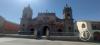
{"x":44,"y":30}
{"x":96,"y":36}
{"x":32,"y":31}
{"x":59,"y":30}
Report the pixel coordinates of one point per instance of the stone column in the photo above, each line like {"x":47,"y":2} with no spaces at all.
{"x":47,"y":33}
{"x":35,"y":33}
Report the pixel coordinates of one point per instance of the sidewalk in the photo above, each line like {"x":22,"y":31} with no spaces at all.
{"x":23,"y":41}
{"x":17,"y":36}
{"x":70,"y":38}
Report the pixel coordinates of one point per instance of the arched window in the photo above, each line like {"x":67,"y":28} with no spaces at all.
{"x":69,"y":28}
{"x":68,"y":14}
{"x":83,"y":26}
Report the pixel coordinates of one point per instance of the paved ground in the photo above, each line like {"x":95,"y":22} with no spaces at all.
{"x":23,"y":41}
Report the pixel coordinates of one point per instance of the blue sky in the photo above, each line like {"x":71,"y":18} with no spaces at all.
{"x":11,"y":10}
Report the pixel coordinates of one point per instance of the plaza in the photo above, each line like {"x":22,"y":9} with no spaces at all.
{"x":24,"y":41}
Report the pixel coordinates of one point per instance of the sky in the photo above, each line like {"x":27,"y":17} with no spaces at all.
{"x":12,"y":10}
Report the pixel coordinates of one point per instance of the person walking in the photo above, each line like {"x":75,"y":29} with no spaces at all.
{"x":39,"y":35}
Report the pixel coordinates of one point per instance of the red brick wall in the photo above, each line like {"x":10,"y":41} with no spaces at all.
{"x":10,"y":27}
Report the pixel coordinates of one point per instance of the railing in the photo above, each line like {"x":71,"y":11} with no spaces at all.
{"x":26,"y":32}
{"x":63,"y":34}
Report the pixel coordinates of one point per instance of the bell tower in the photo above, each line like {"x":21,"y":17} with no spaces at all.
{"x":68,"y":19}
{"x":26,"y":19}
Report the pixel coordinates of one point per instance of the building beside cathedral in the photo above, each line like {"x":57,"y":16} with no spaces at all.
{"x":8,"y":27}
{"x":46,"y":22}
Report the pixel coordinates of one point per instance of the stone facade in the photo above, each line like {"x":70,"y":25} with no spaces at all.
{"x":68,"y":20}
{"x":46,"y":22}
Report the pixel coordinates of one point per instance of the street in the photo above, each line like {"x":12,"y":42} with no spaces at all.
{"x":24,"y":41}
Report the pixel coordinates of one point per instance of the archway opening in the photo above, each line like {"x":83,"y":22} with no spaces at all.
{"x":96,"y":36}
{"x":59,"y":30}
{"x":32,"y":31}
{"x":45,"y":29}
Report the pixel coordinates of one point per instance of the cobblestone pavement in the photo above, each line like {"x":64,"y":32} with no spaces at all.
{"x":23,"y":41}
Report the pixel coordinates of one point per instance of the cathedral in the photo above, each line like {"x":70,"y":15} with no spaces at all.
{"x":46,"y":22}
